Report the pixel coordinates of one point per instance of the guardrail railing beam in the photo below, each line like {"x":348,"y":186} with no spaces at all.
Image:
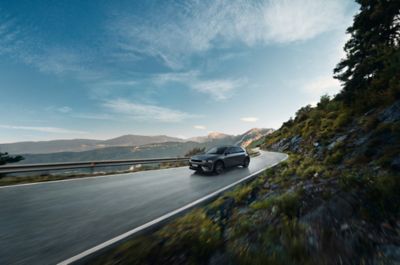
{"x":9,"y":169}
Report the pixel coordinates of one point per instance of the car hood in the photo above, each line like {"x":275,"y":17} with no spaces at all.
{"x":204,"y":156}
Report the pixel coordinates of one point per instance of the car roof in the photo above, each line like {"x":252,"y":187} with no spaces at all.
{"x":227,"y":146}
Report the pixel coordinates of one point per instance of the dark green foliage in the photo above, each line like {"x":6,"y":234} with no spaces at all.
{"x":286,"y":203}
{"x":372,"y":55}
{"x":5,"y":158}
{"x":195,"y":151}
{"x":281,"y":244}
{"x":384,"y":196}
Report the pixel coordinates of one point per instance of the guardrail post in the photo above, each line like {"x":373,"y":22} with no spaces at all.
{"x":92,"y":166}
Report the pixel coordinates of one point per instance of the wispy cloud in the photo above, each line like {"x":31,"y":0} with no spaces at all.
{"x":62,"y":61}
{"x":62,"y":109}
{"x":200,"y":127}
{"x":20,"y":42}
{"x":8,"y":35}
{"x":145,"y":112}
{"x":42,"y":129}
{"x":288,"y":20}
{"x":249,"y":119}
{"x":217,"y":89}
{"x":201,"y":25}
{"x":94,"y":116}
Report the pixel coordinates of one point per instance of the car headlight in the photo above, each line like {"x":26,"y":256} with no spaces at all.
{"x":209,"y":161}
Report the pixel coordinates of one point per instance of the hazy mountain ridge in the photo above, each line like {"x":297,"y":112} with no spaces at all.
{"x":210,"y":136}
{"x":79,"y":145}
{"x":160,"y":149}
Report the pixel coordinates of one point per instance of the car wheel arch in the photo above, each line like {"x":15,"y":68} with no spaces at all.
{"x":220,"y":161}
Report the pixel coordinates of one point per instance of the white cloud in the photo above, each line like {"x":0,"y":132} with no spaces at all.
{"x":200,"y":127}
{"x":22,"y":44}
{"x":146,"y":112}
{"x":182,"y":77}
{"x":120,"y":83}
{"x":198,"y":26}
{"x":64,"y":109}
{"x":288,"y":20}
{"x":249,"y":119}
{"x":321,"y":86}
{"x":61,"y":61}
{"x":41,"y":129}
{"x":217,"y":89}
{"x":94,"y":116}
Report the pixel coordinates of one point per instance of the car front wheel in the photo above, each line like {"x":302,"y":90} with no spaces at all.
{"x":218,"y":167}
{"x":246,"y":162}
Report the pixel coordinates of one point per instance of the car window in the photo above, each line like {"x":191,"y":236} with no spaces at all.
{"x":217,"y":150}
{"x":231,"y":150}
{"x":239,"y":150}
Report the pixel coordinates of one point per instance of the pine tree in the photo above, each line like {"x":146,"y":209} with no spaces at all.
{"x":372,"y":60}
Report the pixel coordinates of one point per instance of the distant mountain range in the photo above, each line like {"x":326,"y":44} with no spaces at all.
{"x":210,"y":136}
{"x":79,"y":145}
{"x":124,"y":147}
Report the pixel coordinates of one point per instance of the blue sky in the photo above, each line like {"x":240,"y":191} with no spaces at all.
{"x":100,"y":69}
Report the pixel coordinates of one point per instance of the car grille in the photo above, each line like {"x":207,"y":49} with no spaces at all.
{"x":195,"y":160}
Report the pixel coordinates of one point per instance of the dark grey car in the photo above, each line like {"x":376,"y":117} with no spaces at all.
{"x":218,"y":158}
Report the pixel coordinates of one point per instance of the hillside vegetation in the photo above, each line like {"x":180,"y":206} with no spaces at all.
{"x":336,"y":200}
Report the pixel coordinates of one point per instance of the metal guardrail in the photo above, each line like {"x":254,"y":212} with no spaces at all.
{"x":87,"y":164}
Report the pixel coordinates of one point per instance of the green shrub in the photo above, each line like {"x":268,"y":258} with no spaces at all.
{"x":194,"y":234}
{"x":350,"y":181}
{"x":281,"y":244}
{"x":342,"y":120}
{"x":384,"y":196}
{"x":370,"y":123}
{"x":286,"y":203}
{"x":240,"y":194}
{"x":335,"y":158}
{"x":195,"y":151}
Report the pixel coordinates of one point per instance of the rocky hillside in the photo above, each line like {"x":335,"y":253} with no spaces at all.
{"x":255,"y":135}
{"x":336,"y":200}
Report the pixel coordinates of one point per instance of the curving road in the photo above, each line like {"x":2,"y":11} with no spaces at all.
{"x":47,"y":223}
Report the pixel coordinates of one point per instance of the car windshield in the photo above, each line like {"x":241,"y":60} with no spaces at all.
{"x":217,"y":150}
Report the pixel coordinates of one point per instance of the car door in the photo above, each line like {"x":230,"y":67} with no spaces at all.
{"x":239,"y":156}
{"x":230,"y":157}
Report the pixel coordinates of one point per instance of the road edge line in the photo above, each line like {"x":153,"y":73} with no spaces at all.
{"x":110,"y":242}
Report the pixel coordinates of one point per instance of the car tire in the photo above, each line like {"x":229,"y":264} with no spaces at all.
{"x":246,"y":162}
{"x":199,"y":171}
{"x":218,"y":167}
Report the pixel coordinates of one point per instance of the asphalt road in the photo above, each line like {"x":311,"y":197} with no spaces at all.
{"x":49,"y":222}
